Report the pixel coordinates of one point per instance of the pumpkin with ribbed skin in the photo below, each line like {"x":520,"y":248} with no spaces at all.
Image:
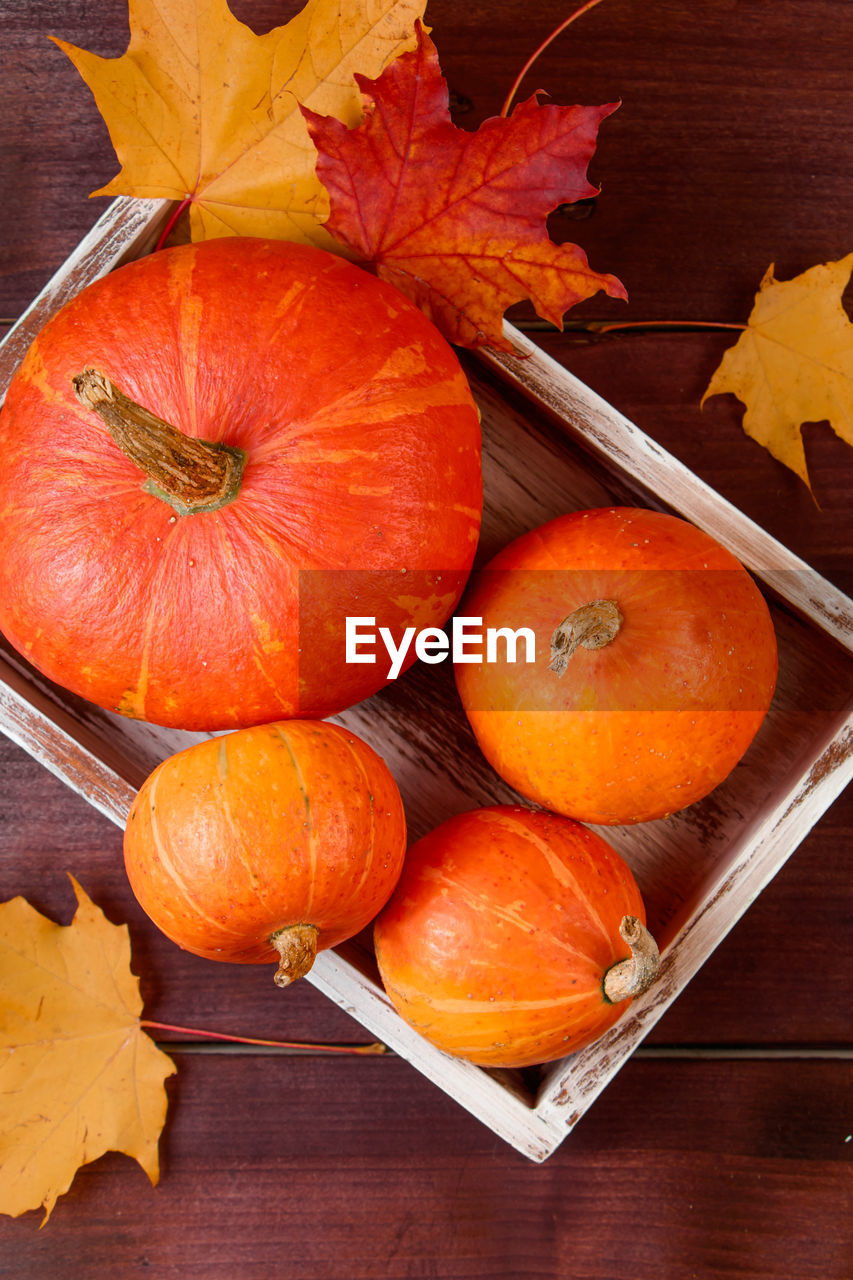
{"x":505,"y":940}
{"x":267,"y":440}
{"x":655,"y":665}
{"x":269,"y":843}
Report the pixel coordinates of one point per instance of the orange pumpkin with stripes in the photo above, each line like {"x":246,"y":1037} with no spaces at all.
{"x":267,"y":844}
{"x":211,"y":457}
{"x":514,"y":936}
{"x":655,"y":665}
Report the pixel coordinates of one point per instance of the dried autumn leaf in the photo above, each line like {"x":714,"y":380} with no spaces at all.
{"x":78,"y":1076}
{"x":457,"y":220}
{"x":200,"y":106}
{"x":794,"y":362}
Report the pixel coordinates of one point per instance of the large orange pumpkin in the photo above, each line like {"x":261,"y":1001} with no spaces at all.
{"x":513,"y":937}
{"x":271,"y":439}
{"x":270,"y":843}
{"x":655,"y":664}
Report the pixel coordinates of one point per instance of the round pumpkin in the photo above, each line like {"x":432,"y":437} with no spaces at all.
{"x":513,"y":937}
{"x":655,"y":664}
{"x":270,"y":843}
{"x":213,"y":456}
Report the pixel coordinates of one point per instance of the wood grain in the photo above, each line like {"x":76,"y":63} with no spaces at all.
{"x":736,"y":999}
{"x":438,"y":1197}
{"x":728,"y":152}
{"x":698,"y":871}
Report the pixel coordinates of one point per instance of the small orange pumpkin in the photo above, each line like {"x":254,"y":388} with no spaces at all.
{"x":655,"y":664}
{"x":270,"y":843}
{"x":514,"y":937}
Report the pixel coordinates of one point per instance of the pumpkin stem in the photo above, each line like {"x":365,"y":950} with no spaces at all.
{"x":297,"y":948}
{"x":593,"y":626}
{"x":631,"y":977}
{"x":191,"y":475}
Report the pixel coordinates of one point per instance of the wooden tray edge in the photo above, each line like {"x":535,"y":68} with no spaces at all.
{"x":126,"y":228}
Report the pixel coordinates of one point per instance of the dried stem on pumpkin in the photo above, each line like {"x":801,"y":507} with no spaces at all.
{"x":631,"y":977}
{"x":192,"y":475}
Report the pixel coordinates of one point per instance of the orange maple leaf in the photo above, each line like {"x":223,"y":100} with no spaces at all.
{"x":457,"y":220}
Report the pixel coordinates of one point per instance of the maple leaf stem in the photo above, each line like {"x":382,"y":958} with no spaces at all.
{"x":613,"y":326}
{"x":373,"y":1048}
{"x":590,"y":4}
{"x":607,"y":326}
{"x":173,"y":218}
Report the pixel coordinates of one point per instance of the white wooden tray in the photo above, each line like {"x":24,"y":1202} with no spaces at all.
{"x":550,"y":445}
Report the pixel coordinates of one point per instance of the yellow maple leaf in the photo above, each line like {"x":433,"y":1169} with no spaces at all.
{"x":78,"y":1075}
{"x":200,"y":106}
{"x":794,"y":362}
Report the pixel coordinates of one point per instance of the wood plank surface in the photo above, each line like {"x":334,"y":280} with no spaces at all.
{"x":730,"y":150}
{"x":678,"y":1186}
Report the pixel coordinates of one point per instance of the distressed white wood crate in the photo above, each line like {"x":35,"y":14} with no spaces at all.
{"x":550,"y":445}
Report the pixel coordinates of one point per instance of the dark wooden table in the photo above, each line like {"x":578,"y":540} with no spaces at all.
{"x":722,"y":1148}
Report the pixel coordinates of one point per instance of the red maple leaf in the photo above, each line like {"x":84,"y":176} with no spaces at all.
{"x":457,"y":220}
